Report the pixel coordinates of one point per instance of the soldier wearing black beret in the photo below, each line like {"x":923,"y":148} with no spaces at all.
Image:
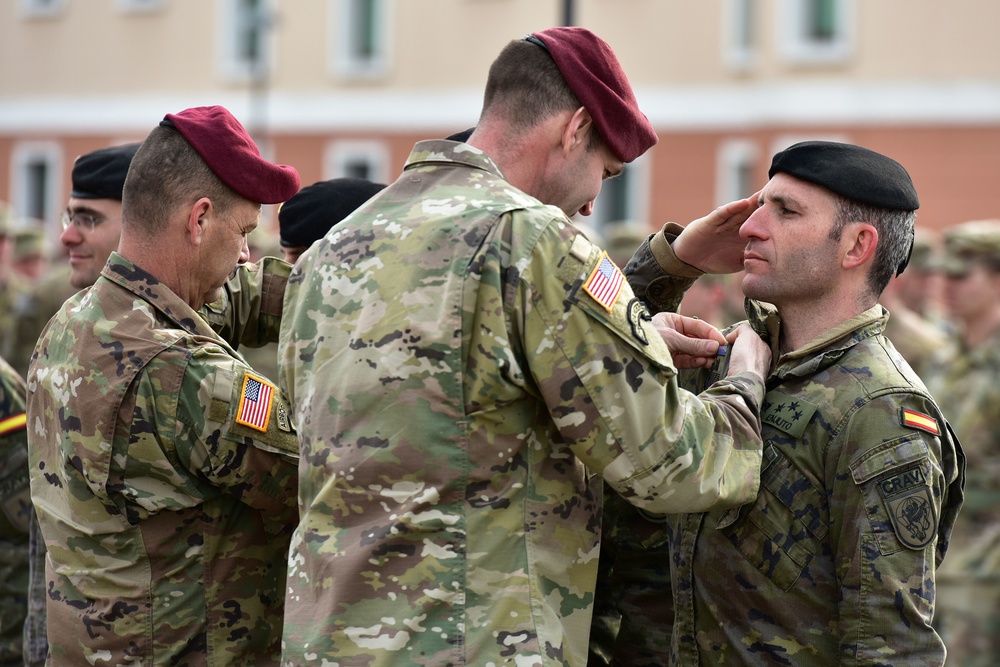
{"x":862,"y":478}
{"x":316,"y":208}
{"x":92,"y":222}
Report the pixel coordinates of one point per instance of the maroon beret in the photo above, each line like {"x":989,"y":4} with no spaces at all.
{"x":232,"y":155}
{"x":596,"y":78}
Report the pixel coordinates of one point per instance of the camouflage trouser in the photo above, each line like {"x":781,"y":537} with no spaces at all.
{"x":36,"y":643}
{"x":968,"y":601}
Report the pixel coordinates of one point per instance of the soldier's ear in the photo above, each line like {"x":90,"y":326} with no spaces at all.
{"x":198,"y":218}
{"x":858,"y":243}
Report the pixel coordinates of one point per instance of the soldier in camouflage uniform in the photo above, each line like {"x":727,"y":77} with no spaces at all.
{"x":463,"y":363}
{"x":834,"y":561}
{"x":162,"y":466}
{"x":15,"y":506}
{"x":964,"y":378}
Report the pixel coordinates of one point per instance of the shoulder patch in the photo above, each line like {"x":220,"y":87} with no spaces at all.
{"x":907,"y":497}
{"x":919,"y":420}
{"x":12,"y":424}
{"x":255,"y":402}
{"x":605,"y":283}
{"x":581,"y":248}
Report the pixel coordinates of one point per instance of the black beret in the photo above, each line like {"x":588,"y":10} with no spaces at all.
{"x":853,"y":172}
{"x":101,"y":174}
{"x":311,"y":212}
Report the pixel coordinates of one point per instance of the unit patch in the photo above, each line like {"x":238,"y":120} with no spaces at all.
{"x":605,"y":283}
{"x":919,"y":420}
{"x":907,"y":497}
{"x":636,"y":315}
{"x":255,"y":402}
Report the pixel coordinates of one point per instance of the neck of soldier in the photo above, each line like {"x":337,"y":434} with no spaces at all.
{"x":522,"y":155}
{"x":804,"y":320}
{"x":163,"y":257}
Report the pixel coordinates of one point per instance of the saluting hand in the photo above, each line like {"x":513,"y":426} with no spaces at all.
{"x":713,"y":243}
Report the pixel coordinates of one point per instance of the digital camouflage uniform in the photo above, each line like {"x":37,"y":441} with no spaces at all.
{"x":966,"y":384}
{"x":834,"y":561}
{"x":166,"y":520}
{"x":456,"y":391}
{"x":15,"y":515}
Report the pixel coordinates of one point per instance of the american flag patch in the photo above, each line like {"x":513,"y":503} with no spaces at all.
{"x":605,"y":283}
{"x":915,"y":419}
{"x":255,"y":403}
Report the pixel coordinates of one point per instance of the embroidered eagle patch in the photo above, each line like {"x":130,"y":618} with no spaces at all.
{"x":907,"y":497}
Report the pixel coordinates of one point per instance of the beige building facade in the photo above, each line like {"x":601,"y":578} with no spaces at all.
{"x":345,"y":87}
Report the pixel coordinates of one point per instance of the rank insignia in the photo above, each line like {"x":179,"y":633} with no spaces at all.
{"x":911,"y":508}
{"x":789,"y":414}
{"x":255,"y":402}
{"x":919,"y":420}
{"x":605,"y":283}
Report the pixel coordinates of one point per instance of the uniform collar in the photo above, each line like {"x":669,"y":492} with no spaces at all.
{"x":450,"y":152}
{"x":145,"y":286}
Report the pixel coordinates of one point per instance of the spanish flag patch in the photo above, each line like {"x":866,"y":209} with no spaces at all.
{"x":15,"y":423}
{"x":255,"y":402}
{"x":919,"y":420}
{"x":605,"y":283}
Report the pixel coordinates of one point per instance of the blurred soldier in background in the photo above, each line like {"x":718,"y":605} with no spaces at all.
{"x":15,"y":516}
{"x":965,"y":379}
{"x":30,"y":256}
{"x":915,"y":325}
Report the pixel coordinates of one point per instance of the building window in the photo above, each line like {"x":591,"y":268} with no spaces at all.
{"x":739,"y":33}
{"x":358,"y":159}
{"x":246,"y":42}
{"x":41,"y":8}
{"x":623,"y":198}
{"x":36,"y":187}
{"x":362,"y":38}
{"x":140,"y":6}
{"x":818,"y":31}
{"x":737,"y":171}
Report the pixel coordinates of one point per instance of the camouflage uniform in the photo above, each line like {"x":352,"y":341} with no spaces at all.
{"x":164,"y":479}
{"x":15,"y":515}
{"x":456,"y":390}
{"x":834,"y":561}
{"x":966,"y":384}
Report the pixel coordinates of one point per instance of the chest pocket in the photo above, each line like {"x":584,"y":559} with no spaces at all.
{"x":784,"y":528}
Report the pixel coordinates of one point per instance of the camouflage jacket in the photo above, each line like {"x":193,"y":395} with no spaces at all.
{"x":461,"y":362}
{"x":163,"y":475}
{"x":15,"y":506}
{"x":834,"y":561}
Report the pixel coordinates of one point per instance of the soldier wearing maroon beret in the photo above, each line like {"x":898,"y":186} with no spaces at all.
{"x":464,"y":367}
{"x":163,"y":467}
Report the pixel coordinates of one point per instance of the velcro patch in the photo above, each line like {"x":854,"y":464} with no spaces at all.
{"x":605,"y":283}
{"x":254,"y":408}
{"x":907,"y":497}
{"x":15,"y":423}
{"x":919,"y":420}
{"x":789,"y":414}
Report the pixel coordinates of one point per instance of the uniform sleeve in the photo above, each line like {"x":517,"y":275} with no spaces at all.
{"x":657,"y":277}
{"x":234,"y":429}
{"x":893,"y":506}
{"x":248,"y":312}
{"x":609,"y":384}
